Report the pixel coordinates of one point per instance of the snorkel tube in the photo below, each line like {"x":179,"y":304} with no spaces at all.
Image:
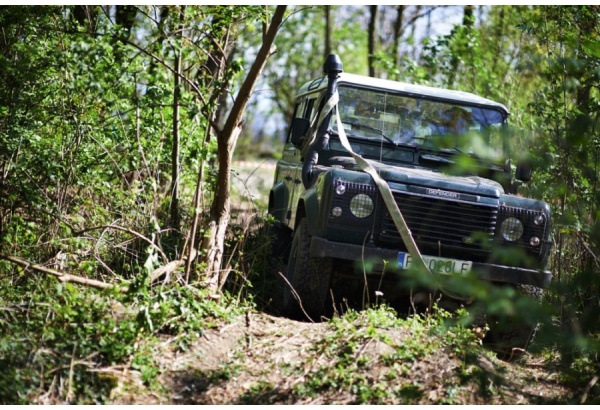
{"x":332,"y":68}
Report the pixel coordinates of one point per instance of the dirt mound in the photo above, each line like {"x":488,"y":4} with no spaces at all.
{"x":263,"y":359}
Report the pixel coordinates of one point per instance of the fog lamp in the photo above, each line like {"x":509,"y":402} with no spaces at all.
{"x":337,"y":211}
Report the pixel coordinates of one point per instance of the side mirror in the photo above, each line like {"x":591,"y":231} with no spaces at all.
{"x":523,"y":171}
{"x":299,"y":129}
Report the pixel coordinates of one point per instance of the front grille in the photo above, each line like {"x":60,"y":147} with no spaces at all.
{"x":442,"y":227}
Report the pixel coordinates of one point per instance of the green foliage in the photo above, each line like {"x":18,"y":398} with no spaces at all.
{"x":184,"y":312}
{"x":344,"y":352}
{"x":567,"y":157}
{"x":51,"y":340}
{"x":56,"y":339}
{"x":85,"y":104}
{"x":254,"y":267}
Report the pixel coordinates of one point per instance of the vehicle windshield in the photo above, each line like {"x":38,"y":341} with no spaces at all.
{"x":369,"y":115}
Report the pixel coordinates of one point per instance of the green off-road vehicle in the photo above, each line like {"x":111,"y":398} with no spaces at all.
{"x":380,"y":178}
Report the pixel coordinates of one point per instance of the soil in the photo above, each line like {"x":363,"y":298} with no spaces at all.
{"x":249,"y":362}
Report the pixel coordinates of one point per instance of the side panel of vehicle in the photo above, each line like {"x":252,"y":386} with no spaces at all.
{"x":286,"y":178}
{"x":278,"y":199}
{"x":285,"y":185}
{"x":308,"y":207}
{"x":291,"y":162}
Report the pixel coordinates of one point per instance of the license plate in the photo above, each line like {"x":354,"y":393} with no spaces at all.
{"x":436,"y":264}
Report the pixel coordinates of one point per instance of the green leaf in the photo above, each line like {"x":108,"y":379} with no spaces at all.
{"x":592,"y":47}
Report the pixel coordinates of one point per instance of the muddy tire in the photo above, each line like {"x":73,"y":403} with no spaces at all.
{"x":510,"y":339}
{"x":306,"y":288}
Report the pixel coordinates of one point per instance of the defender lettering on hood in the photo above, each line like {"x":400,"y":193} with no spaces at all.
{"x":439,"y":192}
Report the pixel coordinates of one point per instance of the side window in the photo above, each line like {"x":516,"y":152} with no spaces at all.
{"x":297,"y":110}
{"x":309,"y":109}
{"x":302,"y":109}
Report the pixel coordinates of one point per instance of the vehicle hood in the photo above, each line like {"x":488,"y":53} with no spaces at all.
{"x":414,"y":176}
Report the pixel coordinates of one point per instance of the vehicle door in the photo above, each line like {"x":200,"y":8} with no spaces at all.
{"x":293,"y":155}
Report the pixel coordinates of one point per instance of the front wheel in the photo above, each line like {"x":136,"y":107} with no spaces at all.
{"x":281,"y":239}
{"x":306,"y":290}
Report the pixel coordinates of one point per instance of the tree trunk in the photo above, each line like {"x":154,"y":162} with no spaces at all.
{"x":468,"y":16}
{"x":372,"y":39}
{"x":214,"y":241}
{"x":190,"y":248}
{"x":214,"y":71}
{"x":125,"y":17}
{"x":174,"y":210}
{"x":398,"y":29}
{"x":327,"y":31}
{"x":86,"y":16}
{"x":467,"y":22}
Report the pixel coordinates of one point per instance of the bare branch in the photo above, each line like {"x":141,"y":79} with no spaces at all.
{"x":134,"y":233}
{"x":63,"y":277}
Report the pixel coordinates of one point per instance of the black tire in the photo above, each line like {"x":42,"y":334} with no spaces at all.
{"x":280,"y":238}
{"x":510,"y":339}
{"x":281,"y":242}
{"x":306,"y":288}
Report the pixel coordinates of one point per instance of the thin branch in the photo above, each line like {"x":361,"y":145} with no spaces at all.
{"x":134,"y":233}
{"x":588,"y":388}
{"x":417,"y":16}
{"x":168,"y":67}
{"x":63,"y":277}
{"x":587,"y":248}
{"x":296,"y":296}
{"x":198,"y":92}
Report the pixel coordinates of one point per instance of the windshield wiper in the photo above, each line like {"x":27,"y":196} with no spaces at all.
{"x":358,"y":126}
{"x":455,"y":149}
{"x":436,"y":158}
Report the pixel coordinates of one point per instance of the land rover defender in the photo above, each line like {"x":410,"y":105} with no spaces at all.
{"x":378,"y":175}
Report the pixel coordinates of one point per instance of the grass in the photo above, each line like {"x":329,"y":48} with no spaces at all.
{"x":56,"y":338}
{"x":364,"y":341}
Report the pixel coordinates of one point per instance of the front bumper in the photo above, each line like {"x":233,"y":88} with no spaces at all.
{"x":322,"y":248}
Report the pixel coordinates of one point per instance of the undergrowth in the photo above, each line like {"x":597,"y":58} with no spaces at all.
{"x":59,"y":343}
{"x":345,"y":363}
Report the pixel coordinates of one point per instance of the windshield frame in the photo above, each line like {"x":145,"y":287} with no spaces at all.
{"x":436,"y":124}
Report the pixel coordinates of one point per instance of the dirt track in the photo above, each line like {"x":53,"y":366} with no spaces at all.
{"x":251,"y":181}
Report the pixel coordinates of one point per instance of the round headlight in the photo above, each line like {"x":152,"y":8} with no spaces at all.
{"x":361,"y":205}
{"x":511,"y":229}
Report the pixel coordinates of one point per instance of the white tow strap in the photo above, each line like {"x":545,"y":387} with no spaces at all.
{"x":384,"y":188}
